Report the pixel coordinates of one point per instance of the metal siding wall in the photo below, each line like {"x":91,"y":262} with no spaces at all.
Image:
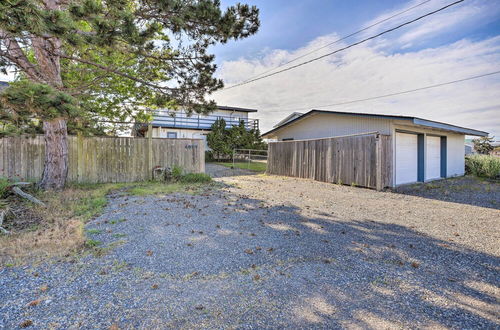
{"x":325,"y":125}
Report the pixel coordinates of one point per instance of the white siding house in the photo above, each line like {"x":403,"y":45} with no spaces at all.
{"x":422,"y":150}
{"x":178,"y":125}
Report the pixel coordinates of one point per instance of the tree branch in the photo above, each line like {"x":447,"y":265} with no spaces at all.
{"x":117,"y":72}
{"x":15,"y":54}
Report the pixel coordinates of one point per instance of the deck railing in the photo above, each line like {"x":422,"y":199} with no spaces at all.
{"x":195,"y":121}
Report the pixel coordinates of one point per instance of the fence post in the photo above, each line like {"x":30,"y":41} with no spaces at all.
{"x":378,"y":162}
{"x":150,"y":152}
{"x":79,"y":156}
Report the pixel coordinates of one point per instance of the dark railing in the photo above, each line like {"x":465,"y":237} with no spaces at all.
{"x":200,"y":121}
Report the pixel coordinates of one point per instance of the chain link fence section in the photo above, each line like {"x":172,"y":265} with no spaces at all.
{"x":250,"y":159}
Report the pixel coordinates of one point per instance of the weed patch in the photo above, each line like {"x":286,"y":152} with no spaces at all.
{"x":483,"y":166}
{"x":90,"y":243}
{"x":57,"y":229}
{"x":94,"y":231}
{"x":195,"y":178}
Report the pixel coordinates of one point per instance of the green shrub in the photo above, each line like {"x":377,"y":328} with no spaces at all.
{"x":209,"y":157}
{"x":483,"y":166}
{"x":196,"y":178}
{"x":176,"y":173}
{"x":4,"y":184}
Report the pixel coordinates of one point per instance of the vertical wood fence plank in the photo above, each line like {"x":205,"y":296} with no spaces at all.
{"x":101,"y":159}
{"x":361,"y":160}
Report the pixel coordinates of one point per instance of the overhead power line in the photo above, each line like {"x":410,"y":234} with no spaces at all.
{"x":347,"y":47}
{"x":339,"y":40}
{"x":393,"y":94}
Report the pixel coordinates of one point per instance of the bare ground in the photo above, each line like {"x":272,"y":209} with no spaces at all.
{"x":271,"y":252}
{"x":452,"y":221}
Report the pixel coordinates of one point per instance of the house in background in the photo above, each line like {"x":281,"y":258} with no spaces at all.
{"x":3,"y":84}
{"x":178,"y":125}
{"x":496,"y":148}
{"x":421,"y":149}
{"x":469,"y":147}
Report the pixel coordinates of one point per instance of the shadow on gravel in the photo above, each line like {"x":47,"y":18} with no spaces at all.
{"x":378,"y":273}
{"x":402,"y":276}
{"x":464,"y":190}
{"x":218,"y":262}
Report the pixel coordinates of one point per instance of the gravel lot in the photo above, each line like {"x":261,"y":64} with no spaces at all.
{"x":464,"y":190}
{"x":271,"y":252}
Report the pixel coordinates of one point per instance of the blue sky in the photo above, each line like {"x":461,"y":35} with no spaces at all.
{"x":459,"y":42}
{"x":291,"y":24}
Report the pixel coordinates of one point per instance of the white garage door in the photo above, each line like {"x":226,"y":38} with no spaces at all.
{"x":406,"y":158}
{"x":433,"y":158}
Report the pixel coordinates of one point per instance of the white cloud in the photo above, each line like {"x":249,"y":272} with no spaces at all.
{"x":369,"y":70}
{"x":462,"y":16}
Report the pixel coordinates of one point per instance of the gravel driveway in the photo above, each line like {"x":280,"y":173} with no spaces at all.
{"x":270,"y":252}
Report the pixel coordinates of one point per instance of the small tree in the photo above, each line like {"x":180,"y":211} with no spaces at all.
{"x":224,"y":140}
{"x":218,"y":138}
{"x":483,"y":145}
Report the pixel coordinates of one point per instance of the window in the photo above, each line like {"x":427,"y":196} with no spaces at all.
{"x":287,"y":139}
{"x":172,"y":135}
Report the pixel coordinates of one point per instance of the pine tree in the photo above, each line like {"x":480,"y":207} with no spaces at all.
{"x":218,"y":138}
{"x":83,"y":60}
{"x":223,"y":140}
{"x":483,"y":145}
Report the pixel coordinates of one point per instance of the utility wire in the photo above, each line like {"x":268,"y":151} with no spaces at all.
{"x":360,"y":100}
{"x":394,"y":94}
{"x":347,"y":47}
{"x":339,"y":40}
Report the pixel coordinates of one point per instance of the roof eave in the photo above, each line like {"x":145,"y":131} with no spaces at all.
{"x":414,"y":120}
{"x":448,"y":127}
{"x":228,"y":108}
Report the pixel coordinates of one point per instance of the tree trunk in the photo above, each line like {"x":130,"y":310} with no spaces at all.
{"x":56,"y":154}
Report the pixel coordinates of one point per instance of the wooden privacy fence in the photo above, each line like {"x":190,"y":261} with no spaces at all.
{"x":102,"y":159}
{"x":364,"y":160}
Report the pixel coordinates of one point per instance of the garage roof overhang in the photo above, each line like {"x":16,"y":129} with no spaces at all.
{"x":411,"y":120}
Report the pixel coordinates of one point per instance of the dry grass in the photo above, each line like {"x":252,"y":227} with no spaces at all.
{"x":59,"y":231}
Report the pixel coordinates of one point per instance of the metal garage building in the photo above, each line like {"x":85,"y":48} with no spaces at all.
{"x":422,"y":150}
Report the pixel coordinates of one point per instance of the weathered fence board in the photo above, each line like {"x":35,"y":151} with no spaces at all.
{"x":364,"y":160}
{"x":101,"y":159}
